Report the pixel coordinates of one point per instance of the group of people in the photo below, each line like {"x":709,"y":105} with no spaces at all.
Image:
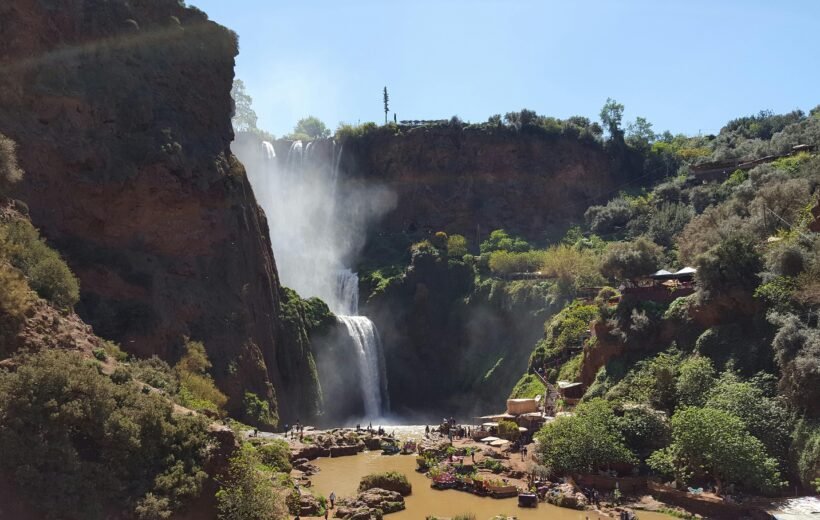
{"x":378,"y":431}
{"x":297,"y":430}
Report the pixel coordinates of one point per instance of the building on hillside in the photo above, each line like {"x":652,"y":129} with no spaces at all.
{"x":662,"y":286}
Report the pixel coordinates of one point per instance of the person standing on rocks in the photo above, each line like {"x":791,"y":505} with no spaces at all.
{"x":332,"y":498}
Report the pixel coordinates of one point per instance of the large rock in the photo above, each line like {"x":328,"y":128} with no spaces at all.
{"x":122,"y":114}
{"x":370,"y":504}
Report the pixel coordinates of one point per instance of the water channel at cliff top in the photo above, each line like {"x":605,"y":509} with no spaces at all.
{"x":342,"y":475}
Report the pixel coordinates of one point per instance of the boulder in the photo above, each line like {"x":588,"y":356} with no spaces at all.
{"x":371,"y":504}
{"x":309,"y":505}
{"x":343,"y":451}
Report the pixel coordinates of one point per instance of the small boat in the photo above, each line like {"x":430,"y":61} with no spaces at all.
{"x":527,"y":500}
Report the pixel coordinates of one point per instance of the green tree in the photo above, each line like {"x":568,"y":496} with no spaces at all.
{"x":584,"y":442}
{"x":244,"y":118}
{"x":731,"y":265}
{"x":247,"y":493}
{"x":767,"y":418}
{"x":696,"y":377}
{"x":612,"y":114}
{"x":712,"y":444}
{"x":500,"y":240}
{"x":640,"y":133}
{"x":386,"y":100}
{"x":625,"y":260}
{"x":75,"y":443}
{"x":309,"y":128}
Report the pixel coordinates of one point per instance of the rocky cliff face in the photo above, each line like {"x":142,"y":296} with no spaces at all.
{"x":474,"y":180}
{"x":122,"y":113}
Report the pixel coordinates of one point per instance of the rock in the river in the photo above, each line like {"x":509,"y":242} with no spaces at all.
{"x":370,"y":504}
{"x":565,"y":495}
{"x":305,"y":467}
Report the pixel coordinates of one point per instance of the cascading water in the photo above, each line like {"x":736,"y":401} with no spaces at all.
{"x":313,"y":235}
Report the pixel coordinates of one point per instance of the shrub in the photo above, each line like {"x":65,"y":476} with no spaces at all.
{"x":733,"y":264}
{"x":113,"y":350}
{"x":276,"y":454}
{"x":48,"y":275}
{"x":609,"y":218}
{"x":10,"y":171}
{"x":584,"y":442}
{"x":500,"y":240}
{"x":696,"y":377}
{"x":155,"y":372}
{"x":439,"y":240}
{"x":391,"y":481}
{"x":508,"y":262}
{"x":625,"y":260}
{"x":256,"y":411}
{"x":79,"y":443}
{"x":197,"y":387}
{"x":508,"y":430}
{"x":246,"y":493}
{"x":15,"y":298}
{"x":456,"y":246}
{"x":644,"y":429}
{"x":667,"y":221}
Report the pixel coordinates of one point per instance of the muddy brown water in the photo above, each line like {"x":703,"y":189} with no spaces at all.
{"x":342,"y":475}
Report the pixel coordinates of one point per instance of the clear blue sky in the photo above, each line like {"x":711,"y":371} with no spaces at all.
{"x":687,"y":66}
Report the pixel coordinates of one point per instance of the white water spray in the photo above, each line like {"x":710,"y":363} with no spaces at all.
{"x":316,"y":230}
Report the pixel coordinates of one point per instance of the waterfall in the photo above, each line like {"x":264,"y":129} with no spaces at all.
{"x":316,"y":229}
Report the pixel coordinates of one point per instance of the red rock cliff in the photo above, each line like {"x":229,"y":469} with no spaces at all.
{"x":122,"y":113}
{"x":477,"y":179}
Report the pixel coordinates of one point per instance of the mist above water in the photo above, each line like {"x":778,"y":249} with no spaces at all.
{"x":318,"y":226}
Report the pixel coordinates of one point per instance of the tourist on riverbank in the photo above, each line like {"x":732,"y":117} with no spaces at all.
{"x":332,"y":498}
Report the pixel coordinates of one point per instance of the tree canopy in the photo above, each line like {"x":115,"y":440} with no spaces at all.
{"x":712,"y":444}
{"x":309,"y":128}
{"x":244,"y":119}
{"x":584,"y":442}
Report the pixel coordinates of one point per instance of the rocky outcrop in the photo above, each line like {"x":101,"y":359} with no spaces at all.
{"x":122,"y":114}
{"x":372,"y":503}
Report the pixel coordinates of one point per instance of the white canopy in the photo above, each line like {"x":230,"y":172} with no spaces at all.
{"x":490,"y":439}
{"x":662,"y":272}
{"x":687,"y":270}
{"x":499,"y":442}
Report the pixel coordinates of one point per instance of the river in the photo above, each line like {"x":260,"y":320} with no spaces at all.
{"x":342,"y":475}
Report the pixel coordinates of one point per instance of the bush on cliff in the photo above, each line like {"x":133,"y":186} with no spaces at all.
{"x":197,"y":387}
{"x":391,"y":481}
{"x":10,"y":171}
{"x":276,"y":455}
{"x":79,"y":446}
{"x":47,"y":273}
{"x":246,"y":493}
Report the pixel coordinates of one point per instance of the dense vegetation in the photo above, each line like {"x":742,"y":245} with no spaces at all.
{"x":725,"y":378}
{"x":79,"y":445}
{"x":743,"y":350}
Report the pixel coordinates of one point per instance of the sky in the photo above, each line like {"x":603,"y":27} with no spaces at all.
{"x":687,"y":66}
